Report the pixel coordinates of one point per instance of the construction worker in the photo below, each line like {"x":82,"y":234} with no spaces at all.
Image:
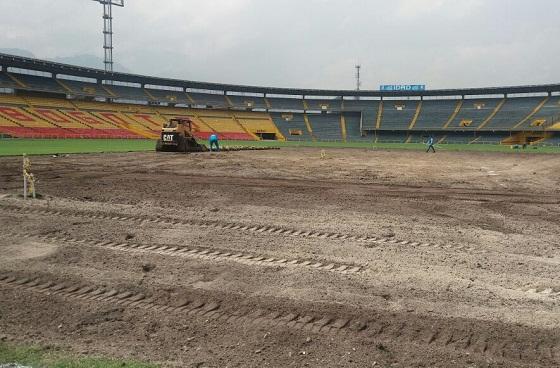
{"x":213,"y":140}
{"x":430,"y":144}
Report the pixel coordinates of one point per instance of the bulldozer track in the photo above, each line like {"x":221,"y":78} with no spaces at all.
{"x":538,"y":350}
{"x":368,"y":240}
{"x":246,"y":258}
{"x":208,"y":309}
{"x":200,"y":253}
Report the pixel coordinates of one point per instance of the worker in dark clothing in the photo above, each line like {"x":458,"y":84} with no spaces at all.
{"x":430,"y":144}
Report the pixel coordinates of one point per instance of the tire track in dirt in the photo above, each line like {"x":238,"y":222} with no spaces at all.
{"x":393,"y":190}
{"x":514,"y":344}
{"x":199,"y":253}
{"x":368,"y":240}
{"x":209,"y":309}
{"x":224,"y":255}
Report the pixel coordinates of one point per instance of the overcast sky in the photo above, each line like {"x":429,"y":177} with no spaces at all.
{"x":305,"y":43}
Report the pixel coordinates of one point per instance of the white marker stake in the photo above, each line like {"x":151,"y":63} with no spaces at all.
{"x":24,"y":180}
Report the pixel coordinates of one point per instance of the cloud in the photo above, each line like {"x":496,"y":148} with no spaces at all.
{"x":414,"y":9}
{"x":310,"y":43}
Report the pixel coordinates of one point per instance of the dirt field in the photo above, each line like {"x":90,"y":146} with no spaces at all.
{"x":284,"y":259}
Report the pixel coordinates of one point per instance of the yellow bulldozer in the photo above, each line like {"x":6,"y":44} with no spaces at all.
{"x":177,"y":136}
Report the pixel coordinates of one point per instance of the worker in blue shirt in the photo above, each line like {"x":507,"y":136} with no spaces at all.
{"x":430,"y":144}
{"x":213,"y":140}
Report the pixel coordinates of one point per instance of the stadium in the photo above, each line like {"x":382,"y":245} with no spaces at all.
{"x":50,"y":100}
{"x":321,"y":234}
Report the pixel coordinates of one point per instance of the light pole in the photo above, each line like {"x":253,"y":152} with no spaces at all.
{"x":108,"y":30}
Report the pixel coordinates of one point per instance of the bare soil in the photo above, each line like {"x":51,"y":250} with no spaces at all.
{"x":283,"y":259}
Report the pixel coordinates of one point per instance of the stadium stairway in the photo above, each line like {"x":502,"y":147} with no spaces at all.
{"x":150,"y":96}
{"x":343,"y":127}
{"x":533,"y":113}
{"x":259,"y":125}
{"x":249,"y":132}
{"x":325,"y":127}
{"x":492,"y":114}
{"x":415,"y":117}
{"x":267,"y":103}
{"x":228,"y":100}
{"x":309,"y":127}
{"x":190,"y":99}
{"x":225,"y":125}
{"x":56,"y":119}
{"x":121,"y":121}
{"x":454,"y":114}
{"x":379,"y":116}
{"x":399,"y":115}
{"x":16,"y":80}
{"x":292,"y":126}
{"x":64,"y":86}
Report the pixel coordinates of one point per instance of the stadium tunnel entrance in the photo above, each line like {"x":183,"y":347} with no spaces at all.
{"x":267,"y":136}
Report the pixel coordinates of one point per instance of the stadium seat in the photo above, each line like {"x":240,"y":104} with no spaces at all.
{"x":57,"y":118}
{"x":353,"y":131}
{"x":544,"y":116}
{"x":38,"y":83}
{"x":6,"y":81}
{"x":122,"y":121}
{"x":7,"y":100}
{"x":477,"y":111}
{"x":325,"y":127}
{"x":23,"y":118}
{"x":56,"y":103}
{"x":292,"y":126}
{"x":323,"y":105}
{"x":174,"y":97}
{"x":247,"y":102}
{"x":84,"y":88}
{"x":227,"y":127}
{"x":512,"y":112}
{"x":260,"y":125}
{"x":398,"y":115}
{"x":206,"y":99}
{"x":435,"y":114}
{"x":127,"y":93}
{"x":293,"y":104}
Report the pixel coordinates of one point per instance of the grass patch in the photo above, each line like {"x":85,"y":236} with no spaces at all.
{"x":398,"y":146}
{"x":16,"y":147}
{"x":37,"y":357}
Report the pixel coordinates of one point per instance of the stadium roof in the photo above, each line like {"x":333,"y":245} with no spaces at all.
{"x":59,"y":68}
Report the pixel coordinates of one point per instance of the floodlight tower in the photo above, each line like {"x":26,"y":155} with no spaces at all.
{"x":358,"y":81}
{"x":108,"y":30}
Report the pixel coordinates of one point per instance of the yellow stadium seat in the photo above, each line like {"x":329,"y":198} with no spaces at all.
{"x":23,"y":118}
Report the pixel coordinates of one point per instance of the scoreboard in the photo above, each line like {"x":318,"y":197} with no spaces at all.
{"x":402,"y":87}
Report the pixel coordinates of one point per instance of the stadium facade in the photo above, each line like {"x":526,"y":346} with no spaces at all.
{"x":46,"y":99}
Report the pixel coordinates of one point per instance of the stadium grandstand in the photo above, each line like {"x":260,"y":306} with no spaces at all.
{"x":42,"y":99}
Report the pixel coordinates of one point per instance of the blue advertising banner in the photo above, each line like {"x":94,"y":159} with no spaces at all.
{"x":402,"y":87}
